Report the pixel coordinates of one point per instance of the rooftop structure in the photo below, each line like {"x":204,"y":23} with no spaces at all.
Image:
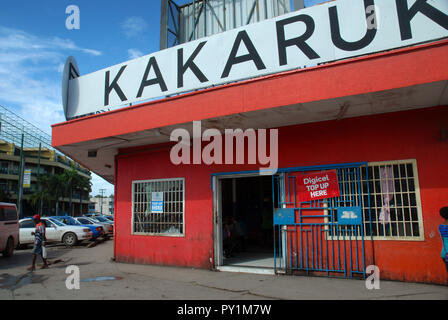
{"x":13,"y":126}
{"x":181,"y":23}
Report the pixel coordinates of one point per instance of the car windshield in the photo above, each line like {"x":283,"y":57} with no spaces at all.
{"x":56,"y":222}
{"x":102,"y":219}
{"x":67,"y":220}
{"x":72,"y":221}
{"x":84,"y":221}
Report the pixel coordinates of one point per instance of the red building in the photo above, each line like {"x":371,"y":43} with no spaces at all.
{"x":379,"y":120}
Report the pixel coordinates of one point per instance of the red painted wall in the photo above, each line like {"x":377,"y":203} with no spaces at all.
{"x":394,"y":136}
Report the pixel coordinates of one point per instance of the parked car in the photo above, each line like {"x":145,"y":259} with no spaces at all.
{"x":101,"y":219}
{"x":97,"y":230}
{"x":9,"y":228}
{"x":90,"y":214}
{"x":108,"y":226}
{"x":55,"y":232}
{"x":95,"y":215}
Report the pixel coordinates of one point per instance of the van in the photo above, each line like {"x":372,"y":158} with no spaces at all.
{"x":9,"y":228}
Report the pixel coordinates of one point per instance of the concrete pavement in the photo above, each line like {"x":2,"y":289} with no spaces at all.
{"x":137,"y":282}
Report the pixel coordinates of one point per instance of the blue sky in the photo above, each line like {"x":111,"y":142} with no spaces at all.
{"x":34,"y":44}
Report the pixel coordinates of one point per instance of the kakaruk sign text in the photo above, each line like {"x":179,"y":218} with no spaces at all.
{"x":323,"y":33}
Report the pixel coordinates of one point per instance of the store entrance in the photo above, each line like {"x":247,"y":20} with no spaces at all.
{"x":247,"y":222}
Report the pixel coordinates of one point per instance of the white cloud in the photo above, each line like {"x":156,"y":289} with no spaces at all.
{"x":134,"y":54}
{"x":38,"y":100}
{"x":91,"y":52}
{"x":133,"y":26}
{"x":28,"y":78}
{"x":61,"y":67}
{"x":14,"y":39}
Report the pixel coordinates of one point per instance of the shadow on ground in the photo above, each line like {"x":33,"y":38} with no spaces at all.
{"x":23,"y":257}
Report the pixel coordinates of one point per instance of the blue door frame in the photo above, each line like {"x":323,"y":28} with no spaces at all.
{"x":312,"y":236}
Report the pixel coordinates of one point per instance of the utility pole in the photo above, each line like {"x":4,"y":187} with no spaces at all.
{"x":41,"y":200}
{"x":101,"y":201}
{"x":20,"y":183}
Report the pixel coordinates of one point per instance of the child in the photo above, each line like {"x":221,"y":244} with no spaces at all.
{"x":443,"y":229}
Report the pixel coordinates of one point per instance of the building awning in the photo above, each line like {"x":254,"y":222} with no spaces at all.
{"x":397,"y":80}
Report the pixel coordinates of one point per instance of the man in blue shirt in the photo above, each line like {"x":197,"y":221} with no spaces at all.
{"x":443,"y":229}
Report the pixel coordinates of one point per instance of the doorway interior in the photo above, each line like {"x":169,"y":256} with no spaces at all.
{"x":247,"y":221}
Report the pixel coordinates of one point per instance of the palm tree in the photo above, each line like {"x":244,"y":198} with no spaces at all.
{"x":72,"y":180}
{"x":75,"y":182}
{"x":41,"y":193}
{"x":57,"y":188}
{"x":82,"y":184}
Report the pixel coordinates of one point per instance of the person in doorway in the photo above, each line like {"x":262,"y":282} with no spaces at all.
{"x":231,"y":236}
{"x":39,"y":242}
{"x":237,"y":235}
{"x":443,"y":229}
{"x":227,"y":237}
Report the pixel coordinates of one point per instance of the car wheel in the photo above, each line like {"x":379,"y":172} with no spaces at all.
{"x":9,"y":250}
{"x":69,"y":239}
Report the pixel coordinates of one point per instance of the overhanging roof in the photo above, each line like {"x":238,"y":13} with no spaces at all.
{"x":397,"y":80}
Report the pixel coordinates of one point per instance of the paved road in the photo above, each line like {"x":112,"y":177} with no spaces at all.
{"x":138,"y":282}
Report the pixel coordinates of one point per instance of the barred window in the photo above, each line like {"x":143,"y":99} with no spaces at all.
{"x":389,"y":195}
{"x":392,"y":199}
{"x":158,"y":207}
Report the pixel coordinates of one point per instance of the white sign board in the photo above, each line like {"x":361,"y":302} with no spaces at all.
{"x":323,"y":33}
{"x":27,"y":178}
{"x":157,"y":202}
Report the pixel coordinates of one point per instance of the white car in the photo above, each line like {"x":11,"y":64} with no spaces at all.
{"x":55,"y":232}
{"x":107,"y":225}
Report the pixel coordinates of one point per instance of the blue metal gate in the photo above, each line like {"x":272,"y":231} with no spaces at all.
{"x":322,"y":237}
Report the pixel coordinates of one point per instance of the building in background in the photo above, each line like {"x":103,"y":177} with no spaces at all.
{"x":38,"y":159}
{"x":102,"y":205}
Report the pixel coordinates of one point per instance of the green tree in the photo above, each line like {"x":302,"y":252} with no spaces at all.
{"x":4,"y":197}
{"x":83,"y":184}
{"x":72,"y":179}
{"x":41,"y":194}
{"x":57,"y":188}
{"x":53,"y":188}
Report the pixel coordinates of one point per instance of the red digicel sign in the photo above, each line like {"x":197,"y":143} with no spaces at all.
{"x":321,"y":185}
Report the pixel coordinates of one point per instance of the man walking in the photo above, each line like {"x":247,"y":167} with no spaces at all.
{"x":39,"y":242}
